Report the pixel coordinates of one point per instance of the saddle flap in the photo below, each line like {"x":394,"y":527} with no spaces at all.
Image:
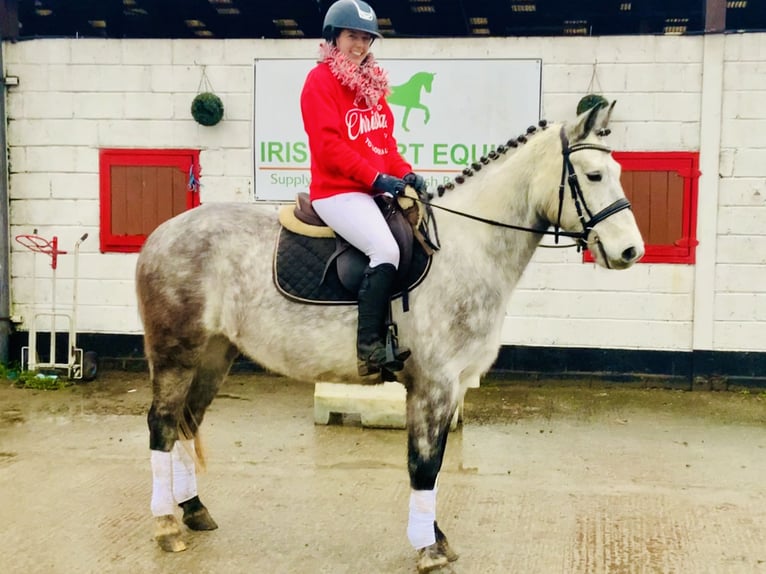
{"x":330,"y":271}
{"x":301,"y":270}
{"x":402,"y":232}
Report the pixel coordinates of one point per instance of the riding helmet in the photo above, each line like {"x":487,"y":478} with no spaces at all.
{"x":350,"y":15}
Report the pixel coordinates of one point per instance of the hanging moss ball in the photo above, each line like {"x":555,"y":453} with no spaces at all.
{"x":591,"y":101}
{"x":207,"y":109}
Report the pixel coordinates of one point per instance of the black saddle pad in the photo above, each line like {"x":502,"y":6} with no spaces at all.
{"x":300,"y":262}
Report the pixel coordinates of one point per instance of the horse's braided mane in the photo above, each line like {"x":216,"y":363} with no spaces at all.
{"x":496,"y":153}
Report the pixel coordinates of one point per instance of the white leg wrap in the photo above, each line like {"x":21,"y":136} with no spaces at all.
{"x":162,"y":483}
{"x":184,"y":471}
{"x":420,"y":529}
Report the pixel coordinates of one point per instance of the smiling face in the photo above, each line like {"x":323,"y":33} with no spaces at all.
{"x":354,"y":44}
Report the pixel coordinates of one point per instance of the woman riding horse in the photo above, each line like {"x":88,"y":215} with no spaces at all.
{"x":354,"y":156}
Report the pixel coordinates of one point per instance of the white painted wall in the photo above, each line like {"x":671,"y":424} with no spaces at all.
{"x":740,"y":273}
{"x":674,"y":94}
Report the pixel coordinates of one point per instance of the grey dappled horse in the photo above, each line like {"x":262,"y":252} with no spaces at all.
{"x":206,"y":292}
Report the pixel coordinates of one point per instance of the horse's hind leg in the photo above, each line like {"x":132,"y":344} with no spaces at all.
{"x":170,"y":385}
{"x":214,"y":366}
{"x":181,"y":393}
{"x":429,"y":414}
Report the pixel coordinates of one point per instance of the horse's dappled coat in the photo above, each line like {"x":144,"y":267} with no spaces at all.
{"x":205,"y":292}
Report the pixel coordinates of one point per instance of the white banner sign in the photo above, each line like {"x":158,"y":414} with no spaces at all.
{"x":448,"y":114}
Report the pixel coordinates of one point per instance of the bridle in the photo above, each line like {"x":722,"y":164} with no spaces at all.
{"x":580,"y":237}
{"x":577,"y":196}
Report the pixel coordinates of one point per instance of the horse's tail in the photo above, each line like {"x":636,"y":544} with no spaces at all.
{"x":199,"y":448}
{"x":185,"y":430}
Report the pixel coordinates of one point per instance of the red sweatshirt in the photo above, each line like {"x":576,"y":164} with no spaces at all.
{"x":349,"y":144}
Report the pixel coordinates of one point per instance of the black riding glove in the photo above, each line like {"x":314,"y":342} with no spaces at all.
{"x":415,"y":181}
{"x":389,"y":184}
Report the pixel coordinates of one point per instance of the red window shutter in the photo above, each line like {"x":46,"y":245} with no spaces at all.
{"x":662,"y":188}
{"x":140,"y":189}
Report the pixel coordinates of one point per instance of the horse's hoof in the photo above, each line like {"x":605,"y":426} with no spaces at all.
{"x":444,"y":547}
{"x":200,"y":520}
{"x":167,"y":533}
{"x":448,"y":552}
{"x":431,"y":558}
{"x":196,"y":516}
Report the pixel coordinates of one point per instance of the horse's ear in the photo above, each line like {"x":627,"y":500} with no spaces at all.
{"x":609,"y":114}
{"x":596,"y":118}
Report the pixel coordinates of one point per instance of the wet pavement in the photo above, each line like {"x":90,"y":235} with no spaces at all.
{"x":551,"y":479}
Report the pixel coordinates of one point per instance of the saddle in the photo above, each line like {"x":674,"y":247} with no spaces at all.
{"x":314,"y":265}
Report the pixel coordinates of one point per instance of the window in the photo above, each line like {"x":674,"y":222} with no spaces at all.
{"x":142,"y":188}
{"x":662,"y":189}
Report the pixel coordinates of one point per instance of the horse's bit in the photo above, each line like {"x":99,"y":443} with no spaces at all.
{"x":581,"y":237}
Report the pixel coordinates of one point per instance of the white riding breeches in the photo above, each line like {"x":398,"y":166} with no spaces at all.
{"x":357,"y":218}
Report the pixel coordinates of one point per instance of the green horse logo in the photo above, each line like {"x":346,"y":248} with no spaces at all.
{"x":407,"y":95}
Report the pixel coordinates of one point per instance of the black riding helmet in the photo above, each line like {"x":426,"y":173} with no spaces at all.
{"x":350,"y":15}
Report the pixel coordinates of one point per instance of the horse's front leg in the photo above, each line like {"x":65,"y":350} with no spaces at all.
{"x":428,"y":419}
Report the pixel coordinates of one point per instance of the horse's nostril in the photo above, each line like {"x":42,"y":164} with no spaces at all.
{"x":629,"y":254}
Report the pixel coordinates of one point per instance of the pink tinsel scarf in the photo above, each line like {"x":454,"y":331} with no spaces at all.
{"x":368,"y":80}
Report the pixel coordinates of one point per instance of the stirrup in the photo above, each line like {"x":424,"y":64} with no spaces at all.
{"x":386,"y":371}
{"x":387,"y":376}
{"x":402,"y":353}
{"x":384,"y":376}
{"x":379,"y":357}
{"x":393,"y":350}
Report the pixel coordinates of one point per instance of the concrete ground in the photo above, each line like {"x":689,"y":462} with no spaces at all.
{"x":555,"y":479}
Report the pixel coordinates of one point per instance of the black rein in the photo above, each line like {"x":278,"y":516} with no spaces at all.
{"x":577,"y":197}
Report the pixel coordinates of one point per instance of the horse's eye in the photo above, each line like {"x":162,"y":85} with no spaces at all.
{"x":594,"y":176}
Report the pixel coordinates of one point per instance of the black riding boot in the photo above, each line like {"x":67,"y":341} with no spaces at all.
{"x":374,"y":297}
